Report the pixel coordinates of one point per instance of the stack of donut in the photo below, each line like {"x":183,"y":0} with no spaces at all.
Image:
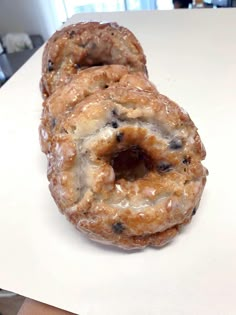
{"x":124,"y":161}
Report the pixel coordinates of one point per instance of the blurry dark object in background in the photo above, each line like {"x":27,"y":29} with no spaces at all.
{"x":2,"y":79}
{"x":181,"y":4}
{"x":184,"y":4}
{"x":11,"y":62}
{"x":222,"y":3}
{"x":219,"y":3}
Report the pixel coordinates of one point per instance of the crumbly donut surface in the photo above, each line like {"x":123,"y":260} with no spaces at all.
{"x":83,"y":45}
{"x":125,"y":167}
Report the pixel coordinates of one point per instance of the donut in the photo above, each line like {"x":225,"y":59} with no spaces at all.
{"x":89,"y":81}
{"x":125,"y":167}
{"x":83,"y":45}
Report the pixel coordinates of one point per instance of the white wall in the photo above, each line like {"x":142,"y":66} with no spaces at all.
{"x":31,"y":16}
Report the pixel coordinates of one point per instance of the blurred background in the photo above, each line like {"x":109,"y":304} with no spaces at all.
{"x":26,"y":24}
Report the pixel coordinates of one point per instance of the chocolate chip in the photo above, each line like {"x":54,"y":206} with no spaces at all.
{"x":114,"y":112}
{"x":119,"y":136}
{"x":50,"y":65}
{"x":164,"y":167}
{"x":175,"y":144}
{"x":118,"y":228}
{"x":187,"y":160}
{"x":114,"y":124}
{"x":194,"y":211}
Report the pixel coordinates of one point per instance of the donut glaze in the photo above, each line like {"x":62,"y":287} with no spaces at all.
{"x":81,"y":85}
{"x":125,"y":167}
{"x":83,"y":45}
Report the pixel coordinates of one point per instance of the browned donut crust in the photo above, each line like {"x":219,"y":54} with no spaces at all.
{"x":89,"y":44}
{"x":89,"y":81}
{"x":125,"y":167}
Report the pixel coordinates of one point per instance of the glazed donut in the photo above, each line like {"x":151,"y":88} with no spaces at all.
{"x":125,"y":167}
{"x":83,"y":45}
{"x":89,"y":81}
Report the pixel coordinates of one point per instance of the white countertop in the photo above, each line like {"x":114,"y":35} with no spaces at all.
{"x":192,"y":59}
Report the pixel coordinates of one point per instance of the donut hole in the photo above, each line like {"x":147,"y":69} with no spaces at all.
{"x":131,"y":164}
